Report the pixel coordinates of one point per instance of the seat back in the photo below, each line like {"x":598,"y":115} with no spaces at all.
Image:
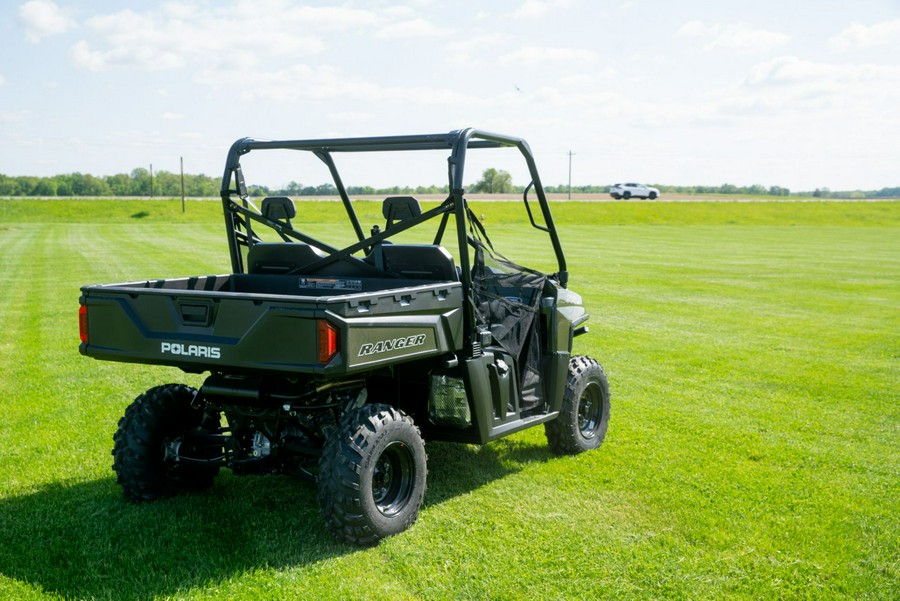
{"x":419,"y":262}
{"x":280,"y":257}
{"x":278,"y":208}
{"x":400,"y":208}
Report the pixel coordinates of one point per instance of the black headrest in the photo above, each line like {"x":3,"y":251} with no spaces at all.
{"x":400,"y":208}
{"x":278,"y":207}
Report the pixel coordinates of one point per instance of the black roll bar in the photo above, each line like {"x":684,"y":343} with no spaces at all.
{"x":457,"y":142}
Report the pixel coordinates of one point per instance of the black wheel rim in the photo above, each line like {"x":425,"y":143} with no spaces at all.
{"x":590,"y":410}
{"x":392,"y":479}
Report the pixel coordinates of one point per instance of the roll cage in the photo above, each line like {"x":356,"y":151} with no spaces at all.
{"x":241,"y":216}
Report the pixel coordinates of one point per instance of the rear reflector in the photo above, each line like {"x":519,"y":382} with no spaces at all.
{"x":82,"y":323}
{"x":328,"y":341}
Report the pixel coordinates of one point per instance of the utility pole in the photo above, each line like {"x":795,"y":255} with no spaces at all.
{"x":570,"y":175}
{"x":182,"y":184}
{"x":151,"y":180}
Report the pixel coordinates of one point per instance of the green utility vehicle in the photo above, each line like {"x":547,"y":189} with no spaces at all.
{"x":335,"y":361}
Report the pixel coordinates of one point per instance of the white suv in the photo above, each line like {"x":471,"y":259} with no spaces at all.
{"x":627,"y":191}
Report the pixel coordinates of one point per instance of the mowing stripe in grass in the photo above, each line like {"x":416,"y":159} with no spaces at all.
{"x":752,"y":451}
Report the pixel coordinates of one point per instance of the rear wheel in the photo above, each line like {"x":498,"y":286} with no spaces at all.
{"x":372,"y":475}
{"x":584,"y":417}
{"x":151,"y":435}
{"x":626,"y":195}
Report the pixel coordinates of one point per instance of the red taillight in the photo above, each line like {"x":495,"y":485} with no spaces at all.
{"x":82,"y":322}
{"x":328,"y":341}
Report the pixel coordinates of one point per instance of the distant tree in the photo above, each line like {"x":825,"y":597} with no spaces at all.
{"x":63,"y":185}
{"x":45,"y":187}
{"x":121,"y":185}
{"x":756,"y":190}
{"x":27,"y":184}
{"x":200,"y":185}
{"x":292,"y":189}
{"x":88,"y":185}
{"x":326,"y":189}
{"x":258,"y":191}
{"x":166,"y":184}
{"x":140,"y":182}
{"x":8,"y":186}
{"x":886,"y":193}
{"x":494,"y":181}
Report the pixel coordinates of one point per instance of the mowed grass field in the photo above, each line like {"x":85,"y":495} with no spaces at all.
{"x":753,"y":352}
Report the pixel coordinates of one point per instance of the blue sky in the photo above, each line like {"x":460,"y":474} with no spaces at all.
{"x":801,"y":94}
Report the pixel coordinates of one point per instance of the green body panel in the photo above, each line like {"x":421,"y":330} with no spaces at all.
{"x":202,"y":324}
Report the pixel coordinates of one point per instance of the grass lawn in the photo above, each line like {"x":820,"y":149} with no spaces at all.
{"x":753,"y":352}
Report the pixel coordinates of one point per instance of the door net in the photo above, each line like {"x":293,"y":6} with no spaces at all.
{"x":507,"y":301}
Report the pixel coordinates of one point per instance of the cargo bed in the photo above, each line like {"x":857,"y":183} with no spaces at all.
{"x":250,"y":322}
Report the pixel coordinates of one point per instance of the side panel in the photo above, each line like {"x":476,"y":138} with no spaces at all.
{"x":398,"y":325}
{"x":567,"y":314}
{"x":494,"y":395}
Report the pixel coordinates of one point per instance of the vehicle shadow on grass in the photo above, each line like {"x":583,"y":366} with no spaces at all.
{"x":455,"y":469}
{"x":83,"y":540}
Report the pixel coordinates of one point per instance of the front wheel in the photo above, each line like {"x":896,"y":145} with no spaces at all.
{"x":584,"y":417}
{"x":371,"y":479}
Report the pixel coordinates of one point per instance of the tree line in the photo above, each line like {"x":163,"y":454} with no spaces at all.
{"x":163,"y":183}
{"x":138,"y":183}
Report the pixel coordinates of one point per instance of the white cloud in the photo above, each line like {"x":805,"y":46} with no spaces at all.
{"x":793,"y":70}
{"x":538,"y":9}
{"x":543,"y":54}
{"x":350,"y":116}
{"x":692,"y":29}
{"x":580,"y":79}
{"x":413,"y":28}
{"x":245,"y":34}
{"x":14,"y":117}
{"x":794,"y":95}
{"x":2,"y":80}
{"x":325,"y":83}
{"x":399,"y":12}
{"x":735,"y":36}
{"x":295,"y":82}
{"x":43,"y":18}
{"x":301,"y":20}
{"x":169,"y":116}
{"x":149,"y":58}
{"x":477,"y":51}
{"x":863,"y":36}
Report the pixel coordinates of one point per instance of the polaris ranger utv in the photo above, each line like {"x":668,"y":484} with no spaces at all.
{"x":334,"y":362}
